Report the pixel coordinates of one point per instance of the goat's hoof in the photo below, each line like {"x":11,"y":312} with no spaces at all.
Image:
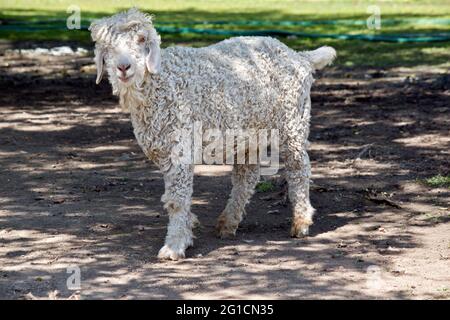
{"x":225,"y":231}
{"x":224,"y":228}
{"x":300,"y":227}
{"x":166,"y":253}
{"x":302,"y":233}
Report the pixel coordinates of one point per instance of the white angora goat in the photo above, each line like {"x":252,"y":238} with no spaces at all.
{"x":240,"y":83}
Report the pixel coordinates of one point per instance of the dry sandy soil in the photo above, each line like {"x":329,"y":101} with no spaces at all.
{"x":76,"y":191}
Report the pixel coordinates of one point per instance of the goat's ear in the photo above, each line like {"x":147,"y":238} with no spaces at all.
{"x":153,"y":59}
{"x":99,"y":61}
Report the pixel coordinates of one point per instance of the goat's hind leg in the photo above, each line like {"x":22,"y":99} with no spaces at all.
{"x":244,"y":179}
{"x":298,"y":173}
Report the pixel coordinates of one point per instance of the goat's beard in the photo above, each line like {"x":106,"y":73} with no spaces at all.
{"x":131,"y":95}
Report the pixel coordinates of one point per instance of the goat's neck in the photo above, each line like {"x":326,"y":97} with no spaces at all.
{"x":137,"y":101}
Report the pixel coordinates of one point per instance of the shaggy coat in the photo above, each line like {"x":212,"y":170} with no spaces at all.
{"x":240,"y":83}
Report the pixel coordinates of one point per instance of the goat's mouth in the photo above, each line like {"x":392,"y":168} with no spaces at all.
{"x":125,"y":79}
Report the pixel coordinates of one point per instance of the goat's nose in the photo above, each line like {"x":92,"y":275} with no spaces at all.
{"x":123,"y":67}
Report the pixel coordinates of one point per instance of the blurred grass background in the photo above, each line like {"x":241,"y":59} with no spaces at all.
{"x":400,"y":18}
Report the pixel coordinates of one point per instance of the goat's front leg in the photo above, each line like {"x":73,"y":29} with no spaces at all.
{"x":177,"y":201}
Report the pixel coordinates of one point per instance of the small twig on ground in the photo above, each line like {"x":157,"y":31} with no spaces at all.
{"x":362,"y":152}
{"x":378,"y":198}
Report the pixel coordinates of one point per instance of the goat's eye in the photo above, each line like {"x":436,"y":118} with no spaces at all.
{"x":141,"y":39}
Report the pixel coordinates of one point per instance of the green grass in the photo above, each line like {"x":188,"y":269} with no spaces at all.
{"x":438,"y":181}
{"x":178,"y":13}
{"x":265,"y":186}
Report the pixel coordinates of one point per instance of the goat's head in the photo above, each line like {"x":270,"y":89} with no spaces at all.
{"x":126,"y":46}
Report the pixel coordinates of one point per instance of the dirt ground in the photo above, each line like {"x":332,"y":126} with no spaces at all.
{"x":75,"y":190}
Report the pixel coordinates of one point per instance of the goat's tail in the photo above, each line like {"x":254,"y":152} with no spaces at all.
{"x":321,"y":57}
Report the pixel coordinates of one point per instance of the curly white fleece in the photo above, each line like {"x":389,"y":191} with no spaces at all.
{"x":239,"y":83}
